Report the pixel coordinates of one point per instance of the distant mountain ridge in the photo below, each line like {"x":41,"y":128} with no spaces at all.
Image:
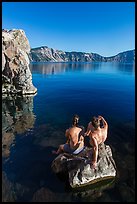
{"x":45,"y":54}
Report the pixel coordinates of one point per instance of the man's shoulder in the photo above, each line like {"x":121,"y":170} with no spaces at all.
{"x":78,"y":129}
{"x":81,"y":127}
{"x":73,"y":129}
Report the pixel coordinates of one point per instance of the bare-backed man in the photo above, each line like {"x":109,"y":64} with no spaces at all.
{"x":97,"y":135}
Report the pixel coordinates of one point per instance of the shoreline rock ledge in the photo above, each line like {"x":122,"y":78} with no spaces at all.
{"x":16,"y":74}
{"x":78,"y":169}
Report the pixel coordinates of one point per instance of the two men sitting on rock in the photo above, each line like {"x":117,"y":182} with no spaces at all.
{"x":75,"y":137}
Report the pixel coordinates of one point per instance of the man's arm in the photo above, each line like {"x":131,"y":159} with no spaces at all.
{"x":67,"y":135}
{"x":88,"y":130}
{"x":105,"y":124}
{"x":95,"y":152}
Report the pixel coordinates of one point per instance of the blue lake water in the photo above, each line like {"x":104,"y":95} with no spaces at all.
{"x":33,"y":126}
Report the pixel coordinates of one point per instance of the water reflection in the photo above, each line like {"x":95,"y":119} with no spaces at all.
{"x":125,"y":67}
{"x":17,"y":117}
{"x":55,"y":68}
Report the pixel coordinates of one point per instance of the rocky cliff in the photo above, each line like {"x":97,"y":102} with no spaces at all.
{"x":16,"y":75}
{"x":44,"y":54}
{"x":125,"y":57}
{"x":49,"y":54}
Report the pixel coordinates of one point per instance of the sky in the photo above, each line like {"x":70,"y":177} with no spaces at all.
{"x":105,"y":28}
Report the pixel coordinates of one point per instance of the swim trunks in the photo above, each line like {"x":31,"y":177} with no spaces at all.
{"x":72,"y":151}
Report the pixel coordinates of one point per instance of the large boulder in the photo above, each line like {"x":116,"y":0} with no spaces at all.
{"x":78,"y":167}
{"x":16,"y":75}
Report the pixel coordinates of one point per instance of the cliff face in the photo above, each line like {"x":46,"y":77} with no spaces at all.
{"x":127,"y":56}
{"x":16,"y":75}
{"x":44,"y":54}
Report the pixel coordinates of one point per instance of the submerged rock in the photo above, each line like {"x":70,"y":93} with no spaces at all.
{"x":78,"y":167}
{"x":16,"y":75}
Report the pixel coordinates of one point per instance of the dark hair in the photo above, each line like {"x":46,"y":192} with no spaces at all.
{"x":95,"y":122}
{"x":75,"y":120}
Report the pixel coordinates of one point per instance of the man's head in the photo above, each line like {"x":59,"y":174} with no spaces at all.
{"x":75,"y":119}
{"x":95,"y":122}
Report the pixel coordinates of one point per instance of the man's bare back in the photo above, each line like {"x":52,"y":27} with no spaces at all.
{"x":100,"y":135}
{"x":73,"y":135}
{"x":75,"y":139}
{"x":97,"y":135}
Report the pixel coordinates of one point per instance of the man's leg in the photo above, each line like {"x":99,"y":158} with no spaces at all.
{"x":60,"y":149}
